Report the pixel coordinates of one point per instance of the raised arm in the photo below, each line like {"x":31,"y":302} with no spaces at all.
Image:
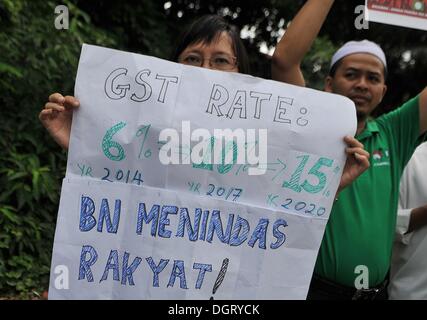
{"x":297,"y":40}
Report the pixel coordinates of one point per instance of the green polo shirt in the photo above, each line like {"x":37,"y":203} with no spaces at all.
{"x":361,"y":227}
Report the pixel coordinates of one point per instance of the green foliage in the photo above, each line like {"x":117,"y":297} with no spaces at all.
{"x":30,"y":174}
{"x":36,"y":60}
{"x":316,"y":64}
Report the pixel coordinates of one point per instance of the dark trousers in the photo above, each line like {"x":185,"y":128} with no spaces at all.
{"x":323,"y":289}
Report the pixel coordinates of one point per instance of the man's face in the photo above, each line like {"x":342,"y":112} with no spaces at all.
{"x":360,"y":77}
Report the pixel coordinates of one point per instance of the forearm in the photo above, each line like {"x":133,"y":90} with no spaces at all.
{"x":297,"y":41}
{"x":418,"y":219}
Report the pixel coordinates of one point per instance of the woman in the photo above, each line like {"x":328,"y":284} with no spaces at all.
{"x":210,"y":42}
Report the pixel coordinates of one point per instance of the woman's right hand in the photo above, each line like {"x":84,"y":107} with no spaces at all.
{"x":56,"y":117}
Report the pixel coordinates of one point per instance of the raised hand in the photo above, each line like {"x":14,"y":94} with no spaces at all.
{"x":57,"y":116}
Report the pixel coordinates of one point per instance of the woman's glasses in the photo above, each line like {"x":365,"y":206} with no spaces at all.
{"x":220,"y":61}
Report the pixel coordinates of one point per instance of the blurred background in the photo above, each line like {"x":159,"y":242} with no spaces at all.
{"x":36,"y":60}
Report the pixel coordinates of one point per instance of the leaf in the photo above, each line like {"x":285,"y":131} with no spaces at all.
{"x":10,"y":214}
{"x":36,"y":175}
{"x":7,"y":68}
{"x":16,"y":175}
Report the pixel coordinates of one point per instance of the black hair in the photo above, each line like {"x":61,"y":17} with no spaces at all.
{"x":207,"y":29}
{"x":337,"y":64}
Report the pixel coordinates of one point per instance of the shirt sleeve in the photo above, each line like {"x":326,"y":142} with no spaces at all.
{"x":403,"y":127}
{"x":402,"y":224}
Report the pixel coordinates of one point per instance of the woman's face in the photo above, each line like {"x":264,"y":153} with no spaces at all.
{"x":218,"y":55}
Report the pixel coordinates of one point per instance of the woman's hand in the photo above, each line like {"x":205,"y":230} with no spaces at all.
{"x":56,"y":117}
{"x":357,"y":162}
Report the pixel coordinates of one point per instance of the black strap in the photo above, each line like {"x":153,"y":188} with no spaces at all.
{"x":346,"y":292}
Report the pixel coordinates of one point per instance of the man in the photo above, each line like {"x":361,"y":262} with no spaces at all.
{"x":408,"y":278}
{"x":354,"y":257}
{"x":359,"y":235}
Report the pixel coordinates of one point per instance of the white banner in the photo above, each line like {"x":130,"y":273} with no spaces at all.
{"x":405,"y":13}
{"x":128,"y":104}
{"x":128,"y":242}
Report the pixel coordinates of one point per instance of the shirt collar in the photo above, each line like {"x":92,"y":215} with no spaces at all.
{"x":370,"y":129}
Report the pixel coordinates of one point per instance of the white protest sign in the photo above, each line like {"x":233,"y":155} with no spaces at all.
{"x":405,"y":13}
{"x":129,"y":242}
{"x":194,"y":210}
{"x":115,"y":134}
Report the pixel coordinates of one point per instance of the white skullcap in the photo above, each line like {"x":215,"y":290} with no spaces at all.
{"x":364,"y":46}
